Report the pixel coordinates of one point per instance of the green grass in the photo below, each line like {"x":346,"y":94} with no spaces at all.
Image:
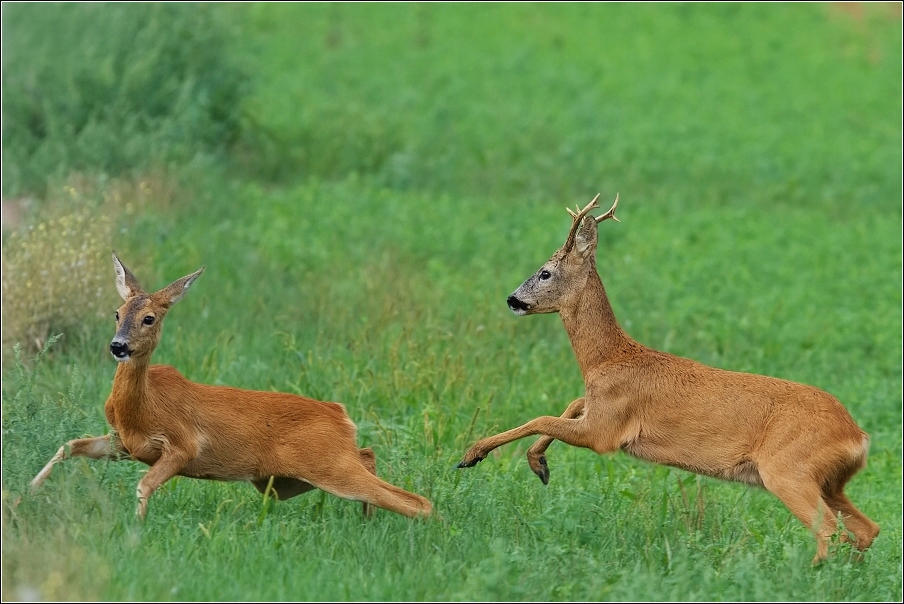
{"x":399,"y":170}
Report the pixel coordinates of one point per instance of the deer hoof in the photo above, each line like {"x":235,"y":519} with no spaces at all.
{"x":542,"y":471}
{"x":470,"y":461}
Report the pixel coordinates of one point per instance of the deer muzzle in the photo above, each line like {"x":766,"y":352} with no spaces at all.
{"x":120,"y":350}
{"x":517,"y":306}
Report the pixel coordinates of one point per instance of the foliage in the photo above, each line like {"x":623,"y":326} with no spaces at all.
{"x":55,"y":275}
{"x":111,"y":88}
{"x":57,"y":267}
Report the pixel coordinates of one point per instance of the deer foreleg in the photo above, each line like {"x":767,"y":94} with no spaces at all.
{"x":99,"y":447}
{"x":571,"y":431}
{"x":535,"y":455}
{"x":169,"y":464}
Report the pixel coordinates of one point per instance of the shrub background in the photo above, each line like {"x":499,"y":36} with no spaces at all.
{"x":112,"y":88}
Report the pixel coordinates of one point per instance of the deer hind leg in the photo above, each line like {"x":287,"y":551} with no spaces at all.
{"x":535,"y":455}
{"x":352,"y":478}
{"x":369,"y":461}
{"x":803,"y":497}
{"x":286,"y":488}
{"x":855,"y":521}
{"x":99,"y":447}
{"x":864,"y":530}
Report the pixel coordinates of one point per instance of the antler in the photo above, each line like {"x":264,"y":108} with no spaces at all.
{"x":610,"y":213}
{"x":581,"y":213}
{"x":577,"y":217}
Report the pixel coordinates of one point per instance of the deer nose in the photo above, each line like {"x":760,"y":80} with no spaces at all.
{"x":516,"y":304}
{"x":119,"y":349}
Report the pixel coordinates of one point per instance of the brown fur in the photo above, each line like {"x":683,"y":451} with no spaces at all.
{"x":795,"y":440}
{"x":178,"y":427}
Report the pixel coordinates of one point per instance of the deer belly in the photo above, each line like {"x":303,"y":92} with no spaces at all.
{"x":219,"y":469}
{"x":707,"y":459}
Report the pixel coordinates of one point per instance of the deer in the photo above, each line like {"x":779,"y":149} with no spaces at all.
{"x":796,"y":441}
{"x":283,"y":444}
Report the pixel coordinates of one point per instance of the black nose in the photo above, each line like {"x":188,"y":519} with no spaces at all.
{"x":118,"y":349}
{"x":516,"y":304}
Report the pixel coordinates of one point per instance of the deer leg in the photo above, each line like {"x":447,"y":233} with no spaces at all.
{"x":169,"y":464}
{"x":535,"y":455}
{"x":99,"y":447}
{"x":369,"y":461}
{"x":286,"y":488}
{"x":864,"y":529}
{"x":803,"y":498}
{"x":350,"y":478}
{"x":570,"y":431}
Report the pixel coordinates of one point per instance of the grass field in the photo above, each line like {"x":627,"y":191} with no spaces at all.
{"x":366,"y":184}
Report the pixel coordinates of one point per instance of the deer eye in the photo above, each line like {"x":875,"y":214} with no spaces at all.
{"x":117,"y":316}
{"x":544,"y":275}
{"x":148,"y":320}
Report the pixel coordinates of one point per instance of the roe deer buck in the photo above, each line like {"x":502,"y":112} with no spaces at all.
{"x":797,"y":441}
{"x":283,"y":442}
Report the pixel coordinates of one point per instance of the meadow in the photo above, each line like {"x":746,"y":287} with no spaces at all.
{"x":365,"y":185}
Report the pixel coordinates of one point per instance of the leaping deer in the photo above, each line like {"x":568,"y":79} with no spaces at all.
{"x":795,"y":440}
{"x":287,"y":443}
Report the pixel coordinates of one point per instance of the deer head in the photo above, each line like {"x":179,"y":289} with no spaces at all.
{"x":563,"y":276}
{"x":139,"y":320}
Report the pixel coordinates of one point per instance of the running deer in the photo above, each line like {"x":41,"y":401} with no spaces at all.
{"x":797,"y":441}
{"x":284,"y":444}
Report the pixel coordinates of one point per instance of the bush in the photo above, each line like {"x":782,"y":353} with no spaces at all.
{"x":55,"y":276}
{"x":57,"y":272}
{"x":112,"y":87}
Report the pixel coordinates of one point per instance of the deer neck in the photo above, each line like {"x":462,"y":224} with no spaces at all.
{"x":130,"y":394}
{"x":594,"y":333}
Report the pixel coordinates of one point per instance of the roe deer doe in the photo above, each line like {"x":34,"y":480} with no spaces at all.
{"x":278,"y":441}
{"x":797,"y":441}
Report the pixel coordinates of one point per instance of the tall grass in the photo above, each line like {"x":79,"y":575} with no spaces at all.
{"x":399,"y":170}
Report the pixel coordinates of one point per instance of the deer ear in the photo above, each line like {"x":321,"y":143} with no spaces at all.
{"x":126,"y":283}
{"x":585,"y":238}
{"x":173,"y":292}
